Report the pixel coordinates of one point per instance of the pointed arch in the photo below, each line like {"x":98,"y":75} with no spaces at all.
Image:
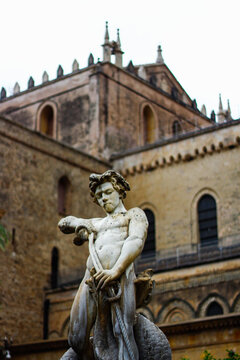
{"x":175,"y":310}
{"x":213,"y":302}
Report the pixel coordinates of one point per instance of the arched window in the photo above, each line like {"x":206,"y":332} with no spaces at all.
{"x":149,"y":125}
{"x":149,"y":247}
{"x":176,"y":128}
{"x":47,"y":121}
{"x":207,"y":220}
{"x":64,"y":195}
{"x":54,"y":268}
{"x":214,"y":309}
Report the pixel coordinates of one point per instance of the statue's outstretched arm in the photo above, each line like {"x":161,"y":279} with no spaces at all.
{"x":72,"y":224}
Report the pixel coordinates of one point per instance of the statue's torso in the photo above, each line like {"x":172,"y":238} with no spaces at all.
{"x":111,"y":234}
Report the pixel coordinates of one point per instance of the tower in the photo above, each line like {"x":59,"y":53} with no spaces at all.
{"x":112,"y":48}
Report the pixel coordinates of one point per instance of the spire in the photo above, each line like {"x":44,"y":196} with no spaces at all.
{"x":229,"y":115}
{"x":31,"y":83}
{"x":221,"y":113}
{"x":159,"y":56}
{"x":229,"y":108}
{"x":45,"y":77}
{"x":106,"y":38}
{"x":118,"y":39}
{"x":75,"y":66}
{"x":16,"y":89}
{"x":204,"y":110}
{"x":220,"y":107}
{"x":106,"y":46}
{"x":117,"y":50}
{"x":3,"y":93}
{"x":90,"y":59}
{"x":213,"y":116}
{"x":59,"y":71}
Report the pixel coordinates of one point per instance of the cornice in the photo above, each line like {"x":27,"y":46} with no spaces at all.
{"x":199,"y":151}
{"x":196,"y":325}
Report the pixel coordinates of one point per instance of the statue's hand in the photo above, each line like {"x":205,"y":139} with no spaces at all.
{"x":66,"y":225}
{"x":103,"y":277}
{"x":82,"y":236}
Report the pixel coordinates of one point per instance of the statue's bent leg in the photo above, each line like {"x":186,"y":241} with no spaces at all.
{"x":82,"y":318}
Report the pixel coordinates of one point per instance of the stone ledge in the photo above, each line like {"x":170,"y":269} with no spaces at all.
{"x":213,"y":322}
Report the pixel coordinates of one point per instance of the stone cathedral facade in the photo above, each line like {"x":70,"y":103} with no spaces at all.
{"x":184,"y":171}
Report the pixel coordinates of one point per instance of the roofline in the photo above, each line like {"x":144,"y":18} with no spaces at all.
{"x":50,"y":82}
{"x":95,"y":68}
{"x":172,"y":140}
{"x":178,"y":101}
{"x":156,"y":64}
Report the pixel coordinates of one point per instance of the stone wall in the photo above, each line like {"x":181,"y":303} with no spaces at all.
{"x":123,"y":97}
{"x":170,"y":178}
{"x":100,"y":109}
{"x":31,"y":165}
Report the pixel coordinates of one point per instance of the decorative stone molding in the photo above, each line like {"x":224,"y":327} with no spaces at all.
{"x":175,"y":310}
{"x":195,"y":325}
{"x":172,"y":159}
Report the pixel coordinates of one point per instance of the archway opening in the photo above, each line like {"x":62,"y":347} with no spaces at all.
{"x":47,"y":121}
{"x":214,"y":309}
{"x":149,"y":125}
{"x":54,"y":268}
{"x":149,"y":246}
{"x":207,"y":220}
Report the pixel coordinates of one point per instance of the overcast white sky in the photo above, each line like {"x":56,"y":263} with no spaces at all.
{"x":200,"y":40}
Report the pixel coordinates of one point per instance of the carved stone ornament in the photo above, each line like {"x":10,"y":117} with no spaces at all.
{"x":105,"y":304}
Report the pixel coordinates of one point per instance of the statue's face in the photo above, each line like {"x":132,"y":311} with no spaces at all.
{"x":107,"y":197}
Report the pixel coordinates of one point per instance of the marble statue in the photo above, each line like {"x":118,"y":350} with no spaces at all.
{"x":105,"y":304}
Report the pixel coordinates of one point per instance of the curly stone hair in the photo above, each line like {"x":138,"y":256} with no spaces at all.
{"x":117,"y":181}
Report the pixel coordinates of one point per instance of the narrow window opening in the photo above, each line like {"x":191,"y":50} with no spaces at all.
{"x":176,"y":128}
{"x":54,"y":268}
{"x":149,"y":125}
{"x":63,"y":195}
{"x":46,"y":121}
{"x":207,"y":220}
{"x":149,"y":247}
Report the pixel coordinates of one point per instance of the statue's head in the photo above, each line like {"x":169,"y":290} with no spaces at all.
{"x":118,"y":183}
